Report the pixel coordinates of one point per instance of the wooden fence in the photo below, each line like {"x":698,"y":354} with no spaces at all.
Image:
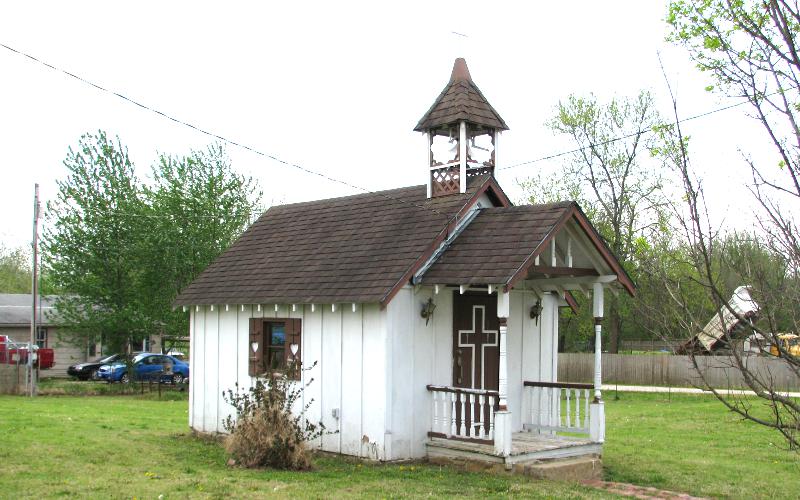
{"x":673,"y":371}
{"x":650,"y":345}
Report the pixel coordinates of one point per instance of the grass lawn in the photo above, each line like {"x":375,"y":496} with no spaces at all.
{"x":138,"y":446}
{"x":68,"y":387}
{"x":690,"y":443}
{"x":134,"y":446}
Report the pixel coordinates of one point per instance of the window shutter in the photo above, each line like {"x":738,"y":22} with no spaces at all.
{"x":294,"y":336}
{"x":256,"y":338}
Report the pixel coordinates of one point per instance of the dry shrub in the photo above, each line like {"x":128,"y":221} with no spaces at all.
{"x":266,"y":433}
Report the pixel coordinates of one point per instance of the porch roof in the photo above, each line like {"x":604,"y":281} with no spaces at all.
{"x":500,"y":246}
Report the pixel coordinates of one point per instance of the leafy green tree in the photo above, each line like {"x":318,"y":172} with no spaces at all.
{"x":15,"y":271}
{"x":198,"y":206}
{"x":92,"y":242}
{"x":121,"y":250}
{"x":612,"y":179}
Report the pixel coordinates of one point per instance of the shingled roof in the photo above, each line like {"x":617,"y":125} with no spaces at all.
{"x":461,"y":100}
{"x":15,"y":309}
{"x":358,"y":248}
{"x":496,"y":244}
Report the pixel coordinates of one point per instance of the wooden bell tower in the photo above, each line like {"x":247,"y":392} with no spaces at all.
{"x":462,"y":131}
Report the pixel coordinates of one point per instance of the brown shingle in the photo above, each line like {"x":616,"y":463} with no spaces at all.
{"x":495,"y":244}
{"x":461,"y":100}
{"x":350,"y":249}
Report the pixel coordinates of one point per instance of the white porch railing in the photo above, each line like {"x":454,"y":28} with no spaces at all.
{"x":466,"y":414}
{"x":558,"y":407}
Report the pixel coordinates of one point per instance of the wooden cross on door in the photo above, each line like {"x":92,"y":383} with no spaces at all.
{"x":477,"y":339}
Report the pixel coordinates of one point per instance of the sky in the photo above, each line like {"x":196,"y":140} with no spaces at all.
{"x":336,"y":87}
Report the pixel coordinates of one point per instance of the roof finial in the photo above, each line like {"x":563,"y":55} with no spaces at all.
{"x":460,"y":71}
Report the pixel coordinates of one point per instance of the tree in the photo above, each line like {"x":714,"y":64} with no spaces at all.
{"x":95,"y":231}
{"x":199,"y":205}
{"x":15,"y":271}
{"x":750,"y":50}
{"x":748,"y":258}
{"x":121,"y":250}
{"x":609,"y":176}
{"x":716,"y":265}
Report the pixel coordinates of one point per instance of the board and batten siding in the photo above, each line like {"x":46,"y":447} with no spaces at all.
{"x":350,"y":351}
{"x":373,"y":365}
{"x":420,"y":354}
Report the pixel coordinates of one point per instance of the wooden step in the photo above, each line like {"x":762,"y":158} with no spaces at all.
{"x":540,"y":456}
{"x":576,"y":469}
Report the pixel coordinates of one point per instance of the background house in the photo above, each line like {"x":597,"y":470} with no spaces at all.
{"x":15,"y":322}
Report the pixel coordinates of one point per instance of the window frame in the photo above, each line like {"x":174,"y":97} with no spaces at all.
{"x":271,"y":349}
{"x":41,"y":337}
{"x":261,"y":334}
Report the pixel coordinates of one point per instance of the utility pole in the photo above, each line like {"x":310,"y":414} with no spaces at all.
{"x":34,"y":291}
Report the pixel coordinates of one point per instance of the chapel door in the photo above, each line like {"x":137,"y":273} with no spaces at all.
{"x":476,"y":351}
{"x":476,"y":358}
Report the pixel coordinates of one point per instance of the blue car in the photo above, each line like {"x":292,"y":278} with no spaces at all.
{"x":147,"y":366}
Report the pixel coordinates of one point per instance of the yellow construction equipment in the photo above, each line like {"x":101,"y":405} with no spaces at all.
{"x":790,"y":343}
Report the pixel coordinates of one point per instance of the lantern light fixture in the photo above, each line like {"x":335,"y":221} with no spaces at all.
{"x":536,"y":311}
{"x":427,"y":310}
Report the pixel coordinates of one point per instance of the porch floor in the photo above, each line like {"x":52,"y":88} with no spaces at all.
{"x":526,"y":447}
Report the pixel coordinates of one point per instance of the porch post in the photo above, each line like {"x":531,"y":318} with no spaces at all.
{"x":597,"y":419}
{"x":503,"y":382}
{"x":502,"y":418}
{"x":462,"y":156}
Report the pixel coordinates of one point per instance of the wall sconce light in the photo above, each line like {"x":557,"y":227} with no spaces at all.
{"x":427,"y":310}
{"x":536,"y":311}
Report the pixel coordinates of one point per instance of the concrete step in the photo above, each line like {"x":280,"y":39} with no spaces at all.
{"x":576,"y":469}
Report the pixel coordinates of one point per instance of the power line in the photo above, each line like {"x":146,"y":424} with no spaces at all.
{"x":177,"y":216}
{"x":256,"y":210}
{"x":627,"y":136}
{"x":212,"y":134}
{"x":325,"y":176}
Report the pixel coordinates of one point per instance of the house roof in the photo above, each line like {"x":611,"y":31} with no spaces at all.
{"x":15,"y":309}
{"x":461,"y":100}
{"x":500,"y":245}
{"x":360,"y":248}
